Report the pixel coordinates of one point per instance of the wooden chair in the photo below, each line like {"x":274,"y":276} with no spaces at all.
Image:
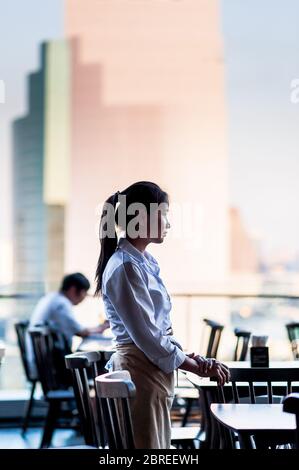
{"x":21,"y":329}
{"x":241,"y":349}
{"x":82,"y":365}
{"x":291,"y":405}
{"x":115,"y":390}
{"x":293,"y":335}
{"x":49,"y":359}
{"x":186,"y":391}
{"x":214,"y":337}
{"x":266,"y":384}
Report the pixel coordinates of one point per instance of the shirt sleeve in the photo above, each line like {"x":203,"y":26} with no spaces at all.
{"x":129,"y":296}
{"x":175,"y":341}
{"x":65,"y":320}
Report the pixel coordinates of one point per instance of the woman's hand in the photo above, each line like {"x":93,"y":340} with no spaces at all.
{"x":218,"y":370}
{"x":204,"y":364}
{"x":208,"y":367}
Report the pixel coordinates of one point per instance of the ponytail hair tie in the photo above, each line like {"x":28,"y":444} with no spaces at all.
{"x":115,"y":198}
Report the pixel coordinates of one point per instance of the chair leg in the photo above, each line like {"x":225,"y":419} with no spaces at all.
{"x":28,"y":409}
{"x":190,"y":445}
{"x":50,"y":424}
{"x":245,"y":441}
{"x":187,"y":412}
{"x":185,"y":444}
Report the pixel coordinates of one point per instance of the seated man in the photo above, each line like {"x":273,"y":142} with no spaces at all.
{"x":55,"y":311}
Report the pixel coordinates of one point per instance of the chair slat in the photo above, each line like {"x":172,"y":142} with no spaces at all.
{"x":128,"y":424}
{"x":221,"y":395}
{"x":252,"y":393}
{"x":117,"y":442}
{"x":270,"y":393}
{"x":235,"y":392}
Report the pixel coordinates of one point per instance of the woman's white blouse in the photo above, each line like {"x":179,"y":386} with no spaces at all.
{"x":137,"y":305}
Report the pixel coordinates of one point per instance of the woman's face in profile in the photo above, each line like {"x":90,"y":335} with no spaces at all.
{"x":159,"y":224}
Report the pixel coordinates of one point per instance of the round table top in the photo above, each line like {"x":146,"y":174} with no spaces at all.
{"x":258,"y":417}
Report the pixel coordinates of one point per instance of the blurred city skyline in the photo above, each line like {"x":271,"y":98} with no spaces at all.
{"x":193,"y":94}
{"x":260,"y":60}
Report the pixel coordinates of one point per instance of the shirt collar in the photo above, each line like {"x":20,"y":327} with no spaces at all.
{"x":126,"y":246}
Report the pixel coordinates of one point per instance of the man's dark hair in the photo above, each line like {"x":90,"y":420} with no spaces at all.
{"x":77,"y":280}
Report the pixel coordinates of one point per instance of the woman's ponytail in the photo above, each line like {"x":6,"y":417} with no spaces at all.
{"x":108,"y":238}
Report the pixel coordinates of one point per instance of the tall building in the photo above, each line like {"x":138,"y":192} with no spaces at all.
{"x":28,"y":167}
{"x":157,"y":111}
{"x":38,"y":213}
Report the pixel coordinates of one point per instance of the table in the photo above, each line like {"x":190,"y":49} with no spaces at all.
{"x":208,"y":395}
{"x":101,"y":344}
{"x":260,"y":420}
{"x":97,"y":343}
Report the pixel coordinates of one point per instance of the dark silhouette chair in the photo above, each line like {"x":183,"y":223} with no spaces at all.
{"x":49,"y":351}
{"x":291,"y":405}
{"x":82,"y":366}
{"x":188,"y":393}
{"x":214,"y":337}
{"x":261,"y":388}
{"x":243,"y":338}
{"x":293,"y":335}
{"x":21,"y":329}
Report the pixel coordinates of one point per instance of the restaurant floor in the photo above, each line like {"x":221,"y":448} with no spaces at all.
{"x":13,"y":439}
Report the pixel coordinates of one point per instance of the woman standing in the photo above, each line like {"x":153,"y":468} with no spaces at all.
{"x":137,"y":306}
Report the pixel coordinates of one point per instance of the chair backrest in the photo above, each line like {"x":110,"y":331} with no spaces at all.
{"x":115,"y":390}
{"x":242,"y":344}
{"x":49,"y":348}
{"x":21,"y":329}
{"x":293,"y":335}
{"x":260,"y":375}
{"x":291,"y":405}
{"x":215,"y":331}
{"x":82,"y":365}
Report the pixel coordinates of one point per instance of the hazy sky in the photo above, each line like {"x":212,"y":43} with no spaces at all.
{"x":261,"y":39}
{"x":261,"y":48}
{"x":23,"y":25}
